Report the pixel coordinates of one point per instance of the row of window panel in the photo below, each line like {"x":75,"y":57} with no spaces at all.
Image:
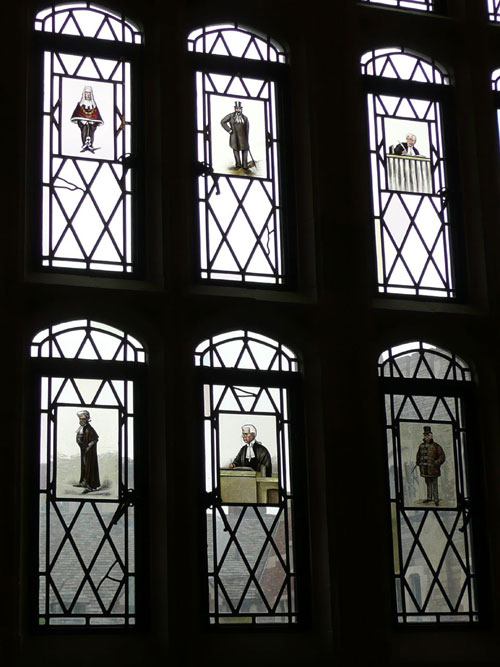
{"x":91,"y":172}
{"x":90,"y":443}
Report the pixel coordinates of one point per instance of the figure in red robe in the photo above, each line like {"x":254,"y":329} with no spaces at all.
{"x":86,"y":115}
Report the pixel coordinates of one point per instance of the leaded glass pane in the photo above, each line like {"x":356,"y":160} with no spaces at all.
{"x":422,"y":361}
{"x":251,"y":576}
{"x":87,"y":179}
{"x":238,"y":147}
{"x":85,"y":339}
{"x":86,"y":565}
{"x":405,"y":64}
{"x":430,"y":503}
{"x":409,"y":182}
{"x":229,"y":39}
{"x":84,"y":19}
{"x":248,"y":482}
{"x":245,"y":350}
{"x":86,"y":477}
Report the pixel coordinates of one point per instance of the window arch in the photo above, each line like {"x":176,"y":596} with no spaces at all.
{"x":241,"y":144}
{"x":409,"y":146}
{"x":84,"y":19}
{"x":431,"y":451}
{"x":86,"y":407}
{"x":233,"y":40}
{"x":88,"y":172}
{"x":249,"y":392}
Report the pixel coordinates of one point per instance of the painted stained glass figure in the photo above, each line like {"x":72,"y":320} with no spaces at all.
{"x":407,"y":147}
{"x":430,"y":458}
{"x":253,"y":454}
{"x":86,"y":439}
{"x":238,"y":127}
{"x":87,"y":116}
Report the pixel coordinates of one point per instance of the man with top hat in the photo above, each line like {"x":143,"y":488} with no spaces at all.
{"x":237,"y":125}
{"x":430,"y":458}
{"x":253,"y":454}
{"x":86,"y":439}
{"x":86,"y":115}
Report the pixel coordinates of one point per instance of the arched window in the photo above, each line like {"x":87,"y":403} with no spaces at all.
{"x":251,"y":425}
{"x":432,"y":447}
{"x":85,"y":442}
{"x":87,"y":106}
{"x":408,"y":97}
{"x":241,"y":150}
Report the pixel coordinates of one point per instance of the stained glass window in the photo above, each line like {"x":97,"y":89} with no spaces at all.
{"x":409,"y":172}
{"x":429,"y":436}
{"x":85,"y":441}
{"x":250,"y":429}
{"x":88,"y":116}
{"x":239,"y":148}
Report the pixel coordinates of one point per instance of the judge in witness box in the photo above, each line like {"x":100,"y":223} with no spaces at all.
{"x":86,"y":115}
{"x":238,"y":127}
{"x":253,"y":454}
{"x":407,"y":147}
{"x":430,"y":458}
{"x":86,"y":439}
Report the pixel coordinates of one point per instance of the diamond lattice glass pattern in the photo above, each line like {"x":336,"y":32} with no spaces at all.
{"x":409,"y":183}
{"x":86,"y":528}
{"x":87,"y":182}
{"x":251,"y":574}
{"x":429,"y":489}
{"x":239,"y":207}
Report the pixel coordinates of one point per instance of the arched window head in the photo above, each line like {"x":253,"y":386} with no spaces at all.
{"x":404,"y":64}
{"x":495,"y":80}
{"x":231,"y":39}
{"x":86,"y":440}
{"x":85,"y":339}
{"x":84,"y":19}
{"x":245,"y":350}
{"x":409,"y":118}
{"x":422,"y":361}
{"x":431,"y":447}
{"x":250,"y":411}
